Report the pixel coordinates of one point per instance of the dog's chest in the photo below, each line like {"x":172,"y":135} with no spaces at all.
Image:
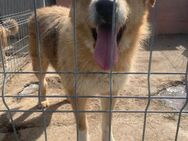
{"x":92,"y":84}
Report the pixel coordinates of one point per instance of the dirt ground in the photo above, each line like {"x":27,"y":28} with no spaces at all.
{"x":169,"y":55}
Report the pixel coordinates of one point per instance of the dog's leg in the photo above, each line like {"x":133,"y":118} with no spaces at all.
{"x":81,"y":119}
{"x":43,"y":101}
{"x":3,"y":44}
{"x":44,"y":63}
{"x":105,"y":103}
{"x":41,"y":77}
{"x":4,"y":59}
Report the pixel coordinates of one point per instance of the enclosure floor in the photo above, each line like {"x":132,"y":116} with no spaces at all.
{"x":169,"y":55}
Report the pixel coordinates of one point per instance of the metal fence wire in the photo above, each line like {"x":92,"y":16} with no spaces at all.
{"x":15,"y":55}
{"x":14,"y":17}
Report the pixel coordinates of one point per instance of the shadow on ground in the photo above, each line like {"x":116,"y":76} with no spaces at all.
{"x":21,"y":123}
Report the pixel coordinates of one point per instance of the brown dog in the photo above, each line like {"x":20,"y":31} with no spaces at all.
{"x":8,"y":28}
{"x":99,"y":48}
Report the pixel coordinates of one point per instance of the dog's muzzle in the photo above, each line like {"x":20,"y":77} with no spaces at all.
{"x":106,"y":51}
{"x":104,"y":12}
{"x":105,"y":35}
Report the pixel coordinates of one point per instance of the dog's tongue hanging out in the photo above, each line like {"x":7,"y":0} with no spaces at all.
{"x":106,"y":45}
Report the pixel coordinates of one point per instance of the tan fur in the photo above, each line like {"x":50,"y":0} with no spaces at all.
{"x":9,"y":27}
{"x":57,"y":48}
{"x":3,"y":36}
{"x":12,"y":26}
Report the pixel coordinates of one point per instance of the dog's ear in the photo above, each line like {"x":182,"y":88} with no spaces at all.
{"x":150,"y":2}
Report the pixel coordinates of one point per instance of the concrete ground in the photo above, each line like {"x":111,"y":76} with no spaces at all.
{"x":169,"y":55}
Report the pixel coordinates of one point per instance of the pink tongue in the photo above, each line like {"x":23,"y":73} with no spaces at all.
{"x":106,"y":45}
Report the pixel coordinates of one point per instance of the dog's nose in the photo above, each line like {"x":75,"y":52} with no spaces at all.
{"x":104,"y":9}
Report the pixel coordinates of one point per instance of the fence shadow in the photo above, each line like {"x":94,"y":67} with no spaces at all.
{"x":21,"y":123}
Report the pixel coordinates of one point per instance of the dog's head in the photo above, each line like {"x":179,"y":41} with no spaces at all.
{"x":112,"y":24}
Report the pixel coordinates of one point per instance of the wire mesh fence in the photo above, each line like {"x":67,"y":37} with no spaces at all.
{"x":14,"y":33}
{"x":15,"y":54}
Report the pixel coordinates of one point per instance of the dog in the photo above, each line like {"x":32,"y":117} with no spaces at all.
{"x":99,"y":48}
{"x":8,"y":27}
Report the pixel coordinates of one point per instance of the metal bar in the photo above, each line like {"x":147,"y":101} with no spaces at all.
{"x":76,"y":72}
{"x":16,"y":62}
{"x":40,"y":74}
{"x":3,"y":95}
{"x":23,"y":47}
{"x":19,"y":14}
{"x":16,"y":57}
{"x":20,"y":40}
{"x":44,"y":3}
{"x":99,"y":111}
{"x":110,"y":74}
{"x":151,"y":43}
{"x":22,"y":21}
{"x":75,"y":67}
{"x":91,"y":73}
{"x":183,"y":107}
{"x":96,"y":96}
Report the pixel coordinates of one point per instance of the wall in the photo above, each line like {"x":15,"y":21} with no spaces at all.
{"x":172,"y":16}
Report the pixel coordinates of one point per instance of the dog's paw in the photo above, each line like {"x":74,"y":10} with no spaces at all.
{"x":43,"y":104}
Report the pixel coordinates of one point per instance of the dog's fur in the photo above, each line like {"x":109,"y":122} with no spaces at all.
{"x":8,"y":28}
{"x":57,"y":49}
